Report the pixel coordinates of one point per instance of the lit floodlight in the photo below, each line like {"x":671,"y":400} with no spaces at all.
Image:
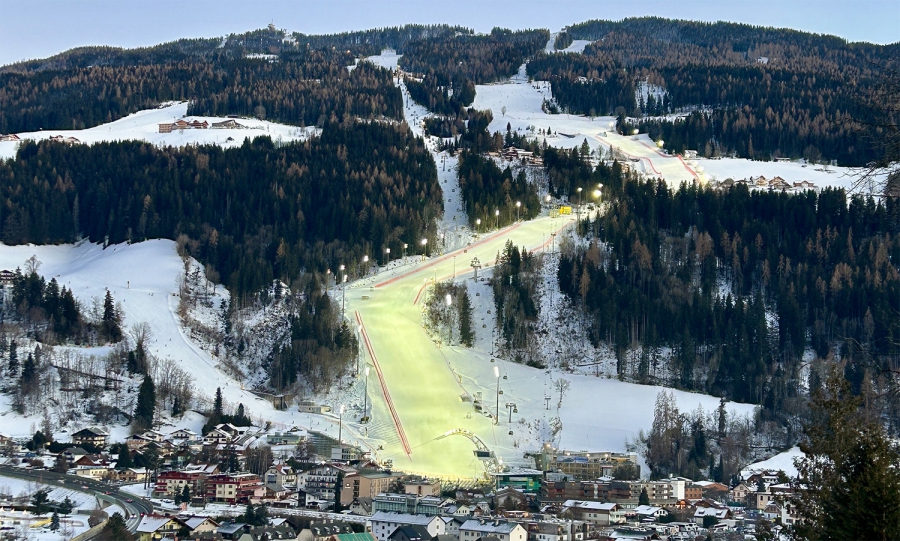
{"x":365,"y":259}
{"x":367,"y":371}
{"x":448,"y":299}
{"x":496,"y":371}
{"x":660,"y":143}
{"x":635,"y":131}
{"x":424,"y":242}
{"x":596,"y":193}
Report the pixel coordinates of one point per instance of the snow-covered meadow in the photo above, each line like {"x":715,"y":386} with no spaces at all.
{"x":144,"y":126}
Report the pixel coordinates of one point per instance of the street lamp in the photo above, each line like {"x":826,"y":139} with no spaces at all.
{"x":340,"y":424}
{"x":366,"y":397}
{"x":387,"y":252}
{"x":405,"y":246}
{"x":478,"y":224}
{"x":365,"y":265}
{"x":518,"y":204}
{"x":497,"y":375}
{"x":497,"y":214}
{"x":424,"y":243}
{"x":449,"y":301}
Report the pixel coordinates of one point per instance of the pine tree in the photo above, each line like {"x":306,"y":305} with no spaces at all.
{"x":111,"y":322}
{"x":40,"y":502}
{"x":217,"y":404}
{"x":115,"y":530}
{"x":29,"y":374}
{"x":186,"y":495}
{"x":13,"y":358}
{"x":466,"y":334}
{"x":338,"y":484}
{"x":848,"y":479}
{"x":54,"y":522}
{"x":176,"y":407}
{"x":65,"y":507}
{"x":644,"y":498}
{"x":146,"y":405}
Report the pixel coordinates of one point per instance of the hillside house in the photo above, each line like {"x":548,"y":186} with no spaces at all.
{"x":384,"y":523}
{"x":602,"y":514}
{"x":157,"y":527}
{"x":475,"y":529}
{"x":91,"y":436}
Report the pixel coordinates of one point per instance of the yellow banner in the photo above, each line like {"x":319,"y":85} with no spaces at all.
{"x":565,"y":210}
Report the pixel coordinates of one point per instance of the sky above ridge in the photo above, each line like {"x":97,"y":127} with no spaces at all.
{"x":40,"y":28}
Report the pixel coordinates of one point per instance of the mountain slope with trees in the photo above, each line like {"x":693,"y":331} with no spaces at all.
{"x":759,"y":92}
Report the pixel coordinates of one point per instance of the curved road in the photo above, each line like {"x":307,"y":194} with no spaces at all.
{"x":134,"y":508}
{"x":422,"y":394}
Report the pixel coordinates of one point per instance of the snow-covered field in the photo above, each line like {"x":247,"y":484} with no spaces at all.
{"x":14,"y":487}
{"x":782,"y":461}
{"x":144,"y":126}
{"x":142,"y":277}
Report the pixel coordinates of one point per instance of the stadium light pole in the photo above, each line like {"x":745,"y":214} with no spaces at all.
{"x":579,"y":203}
{"x":424,"y":246}
{"x":478,"y":225}
{"x":497,"y":409}
{"x":497,"y":214}
{"x":387,"y":252}
{"x":340,"y":425}
{"x":405,"y":246}
{"x":518,"y":204}
{"x":366,"y":397}
{"x":343,"y":295}
{"x":365,"y":265}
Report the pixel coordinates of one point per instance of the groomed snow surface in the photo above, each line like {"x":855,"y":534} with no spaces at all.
{"x":144,"y":126}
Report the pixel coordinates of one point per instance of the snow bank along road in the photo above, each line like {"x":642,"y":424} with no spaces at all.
{"x":422,"y":394}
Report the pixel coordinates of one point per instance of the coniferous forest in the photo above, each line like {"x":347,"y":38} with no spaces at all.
{"x":759,"y":92}
{"x":251,"y":214}
{"x":737,"y":285}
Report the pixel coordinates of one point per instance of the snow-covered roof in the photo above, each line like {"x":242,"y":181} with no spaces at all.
{"x":647,"y":509}
{"x":487,"y":526}
{"x":596,"y":506}
{"x":402,"y":518}
{"x":151,"y":523}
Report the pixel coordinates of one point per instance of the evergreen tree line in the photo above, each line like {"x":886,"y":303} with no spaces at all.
{"x":441,"y":100}
{"x":487,"y":189}
{"x":469,"y":130}
{"x":806,"y":271}
{"x":301,"y":89}
{"x":56,"y":317}
{"x":250,"y":214}
{"x":451,"y":65}
{"x":569,"y":170}
{"x":772,"y":92}
{"x":450,"y":320}
{"x":563,"y":40}
{"x":372,"y":42}
{"x":517,"y":304}
{"x":318,"y":348}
